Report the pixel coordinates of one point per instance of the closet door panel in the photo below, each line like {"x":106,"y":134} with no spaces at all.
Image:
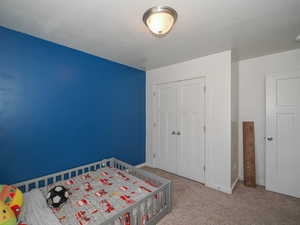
{"x":167,"y":108}
{"x":191,"y":122}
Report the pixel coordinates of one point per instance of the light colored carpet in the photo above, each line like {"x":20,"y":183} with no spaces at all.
{"x":195,"y":204}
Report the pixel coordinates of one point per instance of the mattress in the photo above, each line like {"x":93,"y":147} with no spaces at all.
{"x":99,"y":195}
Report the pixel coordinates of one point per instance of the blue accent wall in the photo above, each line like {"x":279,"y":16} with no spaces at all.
{"x":61,"y":108}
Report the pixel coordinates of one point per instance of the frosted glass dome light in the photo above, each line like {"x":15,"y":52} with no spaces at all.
{"x":160,"y":20}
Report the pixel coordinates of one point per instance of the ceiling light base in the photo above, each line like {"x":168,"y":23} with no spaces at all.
{"x":160,"y":20}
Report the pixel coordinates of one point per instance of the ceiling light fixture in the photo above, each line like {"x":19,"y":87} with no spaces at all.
{"x":160,"y":20}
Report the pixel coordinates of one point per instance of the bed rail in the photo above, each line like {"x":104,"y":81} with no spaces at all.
{"x":43,"y":181}
{"x":137,"y":216}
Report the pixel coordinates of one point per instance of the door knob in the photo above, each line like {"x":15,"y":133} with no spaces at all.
{"x":178,"y":132}
{"x":270,"y":138}
{"x":173,"y":133}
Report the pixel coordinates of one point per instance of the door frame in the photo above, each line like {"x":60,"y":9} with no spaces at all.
{"x":153,"y":119}
{"x":268,"y":122}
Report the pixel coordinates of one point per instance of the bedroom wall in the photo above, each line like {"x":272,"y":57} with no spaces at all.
{"x":252,"y":74}
{"x":61,"y":108}
{"x":234,"y":123}
{"x":217,"y":70}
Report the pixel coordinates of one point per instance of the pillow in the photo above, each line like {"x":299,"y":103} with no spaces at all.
{"x":36,"y":210}
{"x":57,"y":196}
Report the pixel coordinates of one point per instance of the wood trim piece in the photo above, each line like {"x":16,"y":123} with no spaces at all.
{"x":249,"y":154}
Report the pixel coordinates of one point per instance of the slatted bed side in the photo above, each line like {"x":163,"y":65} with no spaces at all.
{"x":136,"y":214}
{"x":43,"y":181}
{"x":142,"y":174}
{"x":165,"y":188}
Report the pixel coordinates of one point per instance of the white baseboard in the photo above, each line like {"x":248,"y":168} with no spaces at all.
{"x":234,"y":184}
{"x":227,"y":190}
{"x":260,"y":182}
{"x":141,"y":165}
{"x":219,"y":188}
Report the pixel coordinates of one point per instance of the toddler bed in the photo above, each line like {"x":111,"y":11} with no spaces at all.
{"x":108,"y":192}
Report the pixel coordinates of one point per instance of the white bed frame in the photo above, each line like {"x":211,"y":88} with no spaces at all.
{"x":165,"y":187}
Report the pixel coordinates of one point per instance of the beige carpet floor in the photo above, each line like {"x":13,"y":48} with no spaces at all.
{"x":195,"y":204}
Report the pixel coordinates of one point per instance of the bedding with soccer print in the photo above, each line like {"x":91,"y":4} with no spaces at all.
{"x":97,"y":196}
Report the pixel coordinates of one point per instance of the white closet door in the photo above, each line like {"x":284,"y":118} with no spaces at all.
{"x":283,"y":134}
{"x":166,"y":126}
{"x":191,"y":122}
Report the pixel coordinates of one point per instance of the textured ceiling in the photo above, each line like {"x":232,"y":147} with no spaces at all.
{"x":113,"y":29}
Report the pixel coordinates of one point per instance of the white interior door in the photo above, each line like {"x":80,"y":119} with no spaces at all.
{"x":166,"y":108}
{"x":283,"y":134}
{"x":191,"y":128}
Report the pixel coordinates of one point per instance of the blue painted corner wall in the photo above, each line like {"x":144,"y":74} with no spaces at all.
{"x":61,"y":108}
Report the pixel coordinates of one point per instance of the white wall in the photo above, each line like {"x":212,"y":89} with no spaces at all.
{"x":234,"y":123}
{"x":252,"y":73}
{"x":217,"y":70}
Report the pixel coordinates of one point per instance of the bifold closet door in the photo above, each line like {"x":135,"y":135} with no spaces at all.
{"x":191,"y":128}
{"x":166,"y":108}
